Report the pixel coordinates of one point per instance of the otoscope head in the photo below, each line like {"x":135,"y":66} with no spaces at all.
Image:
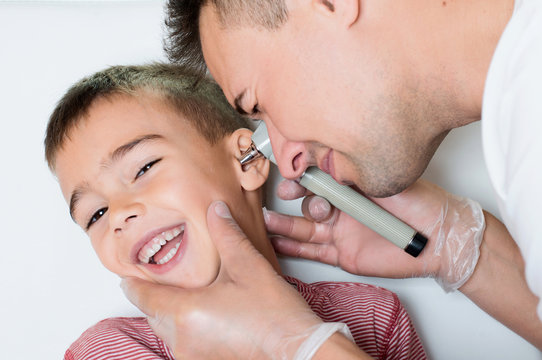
{"x":261,"y":146}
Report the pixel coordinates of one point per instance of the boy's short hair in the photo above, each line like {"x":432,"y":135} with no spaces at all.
{"x":200,"y":100}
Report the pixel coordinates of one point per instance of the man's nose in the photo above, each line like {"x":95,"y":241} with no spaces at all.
{"x":123,"y":212}
{"x":292,"y":156}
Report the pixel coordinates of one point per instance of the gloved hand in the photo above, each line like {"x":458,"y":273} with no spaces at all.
{"x":454,"y":227}
{"x":249,"y":311}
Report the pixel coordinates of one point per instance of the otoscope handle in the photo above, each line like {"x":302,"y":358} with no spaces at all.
{"x":347,"y":200}
{"x":363,"y":210}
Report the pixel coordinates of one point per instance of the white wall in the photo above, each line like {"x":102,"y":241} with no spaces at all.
{"x":53,"y":286}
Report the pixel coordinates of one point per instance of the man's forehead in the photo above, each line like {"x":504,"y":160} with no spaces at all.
{"x":211,"y":36}
{"x":229,"y":62}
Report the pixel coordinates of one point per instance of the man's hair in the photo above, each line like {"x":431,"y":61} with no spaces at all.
{"x":200,"y":100}
{"x":183,"y":44}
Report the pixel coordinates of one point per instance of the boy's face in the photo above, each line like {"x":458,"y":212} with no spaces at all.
{"x":139,"y":180}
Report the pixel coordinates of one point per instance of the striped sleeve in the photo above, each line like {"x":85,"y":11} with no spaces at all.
{"x":378,"y":322}
{"x":119,"y":338}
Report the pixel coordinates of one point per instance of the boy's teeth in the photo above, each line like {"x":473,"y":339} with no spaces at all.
{"x":146,"y":255}
{"x":169,"y":255}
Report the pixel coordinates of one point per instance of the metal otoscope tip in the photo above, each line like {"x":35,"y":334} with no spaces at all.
{"x":250,"y":155}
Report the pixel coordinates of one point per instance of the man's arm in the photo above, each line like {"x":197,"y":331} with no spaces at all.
{"x":498,"y":284}
{"x":339,"y":347}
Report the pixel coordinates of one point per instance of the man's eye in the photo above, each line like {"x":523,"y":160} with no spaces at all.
{"x":147,"y":166}
{"x":255,"y":109}
{"x":95,"y":217}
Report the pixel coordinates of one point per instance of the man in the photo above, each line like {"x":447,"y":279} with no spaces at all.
{"x":367,"y":90}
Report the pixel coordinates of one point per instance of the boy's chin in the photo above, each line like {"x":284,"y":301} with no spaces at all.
{"x":176,"y":277}
{"x":184,"y":283}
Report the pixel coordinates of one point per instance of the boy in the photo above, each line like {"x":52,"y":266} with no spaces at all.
{"x":140,"y":152}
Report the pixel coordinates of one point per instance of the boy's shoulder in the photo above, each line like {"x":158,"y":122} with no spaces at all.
{"x":114,"y":338}
{"x":376,"y":318}
{"x":351,"y":302}
{"x":337,"y":291}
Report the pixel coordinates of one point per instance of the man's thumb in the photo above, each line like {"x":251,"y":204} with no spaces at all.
{"x":149,"y":297}
{"x":230,"y":241}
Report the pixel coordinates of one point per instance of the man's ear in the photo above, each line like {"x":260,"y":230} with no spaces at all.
{"x":254,"y":174}
{"x":345,"y":11}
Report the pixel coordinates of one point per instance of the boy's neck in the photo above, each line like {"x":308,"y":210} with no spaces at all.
{"x":263,"y":245}
{"x":252,"y":222}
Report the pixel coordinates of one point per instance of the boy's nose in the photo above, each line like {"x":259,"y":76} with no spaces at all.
{"x":292,"y":156}
{"x":122,"y":215}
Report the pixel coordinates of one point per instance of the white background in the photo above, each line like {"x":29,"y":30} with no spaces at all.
{"x":52,"y":285}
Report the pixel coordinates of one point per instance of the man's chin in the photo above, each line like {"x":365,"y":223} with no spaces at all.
{"x":381,"y":189}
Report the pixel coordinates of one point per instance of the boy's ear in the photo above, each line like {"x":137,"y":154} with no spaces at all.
{"x":345,"y":11}
{"x":254,"y":174}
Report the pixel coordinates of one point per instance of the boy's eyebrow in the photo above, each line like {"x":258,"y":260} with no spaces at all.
{"x":74,"y":199}
{"x":115,"y":156}
{"x":122,"y":150}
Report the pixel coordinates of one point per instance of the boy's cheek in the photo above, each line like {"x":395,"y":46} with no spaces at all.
{"x":109,"y":258}
{"x":122,"y":270}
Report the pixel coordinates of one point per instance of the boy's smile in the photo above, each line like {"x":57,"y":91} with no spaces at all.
{"x":162,"y":247}
{"x":139,"y":179}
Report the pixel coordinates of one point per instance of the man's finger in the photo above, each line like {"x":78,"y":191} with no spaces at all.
{"x":317,"y":252}
{"x":291,"y":190}
{"x":236,"y":252}
{"x":316,"y":208}
{"x":296,"y":227}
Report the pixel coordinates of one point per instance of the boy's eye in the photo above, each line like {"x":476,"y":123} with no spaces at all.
{"x":147,"y":166}
{"x":95,"y":217}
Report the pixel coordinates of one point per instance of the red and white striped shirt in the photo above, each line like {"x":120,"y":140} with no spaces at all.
{"x":378,"y":322}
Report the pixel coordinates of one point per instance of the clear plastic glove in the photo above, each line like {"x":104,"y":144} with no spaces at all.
{"x":249,"y":311}
{"x":454,"y":227}
{"x":458,"y":232}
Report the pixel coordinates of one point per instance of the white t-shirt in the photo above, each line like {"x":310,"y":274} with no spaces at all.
{"x":512,"y":133}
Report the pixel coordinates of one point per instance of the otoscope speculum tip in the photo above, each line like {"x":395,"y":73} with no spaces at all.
{"x":250,"y":155}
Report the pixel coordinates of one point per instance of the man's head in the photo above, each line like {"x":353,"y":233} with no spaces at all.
{"x":366,"y":90}
{"x":183,"y":44}
{"x":140,"y":152}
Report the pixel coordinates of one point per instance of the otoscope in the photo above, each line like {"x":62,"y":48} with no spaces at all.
{"x":344,"y":198}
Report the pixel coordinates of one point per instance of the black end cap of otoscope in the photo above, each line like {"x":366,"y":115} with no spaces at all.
{"x":416,"y":245}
